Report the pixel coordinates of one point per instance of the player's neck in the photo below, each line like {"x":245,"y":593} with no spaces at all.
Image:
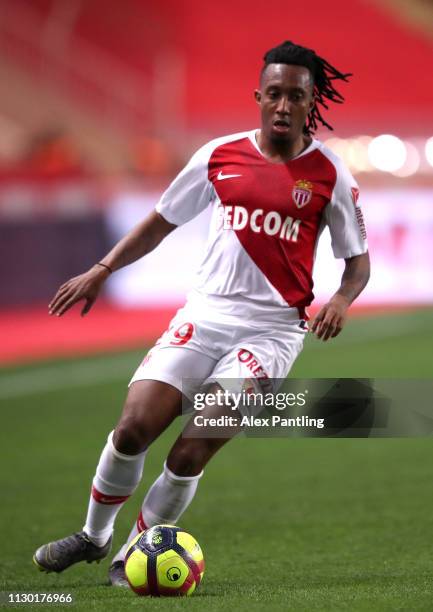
{"x":282,"y":152}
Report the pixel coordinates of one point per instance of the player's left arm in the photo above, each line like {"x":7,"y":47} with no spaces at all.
{"x":331,"y":318}
{"x":343,"y":215}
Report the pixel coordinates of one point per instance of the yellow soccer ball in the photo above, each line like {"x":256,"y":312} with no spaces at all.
{"x":164,"y":560}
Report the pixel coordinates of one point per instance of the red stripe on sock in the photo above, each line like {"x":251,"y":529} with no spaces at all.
{"x":102,"y":498}
{"x":141,"y":525}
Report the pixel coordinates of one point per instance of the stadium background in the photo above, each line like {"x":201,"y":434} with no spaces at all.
{"x":101,"y":103}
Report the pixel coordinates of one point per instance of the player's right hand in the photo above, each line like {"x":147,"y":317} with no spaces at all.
{"x":83,"y":287}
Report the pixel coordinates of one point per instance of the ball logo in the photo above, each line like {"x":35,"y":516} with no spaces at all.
{"x":302,"y":193}
{"x":173,"y":574}
{"x":157,"y":538}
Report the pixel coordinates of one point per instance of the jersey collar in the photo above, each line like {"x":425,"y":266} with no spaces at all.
{"x":252,"y":135}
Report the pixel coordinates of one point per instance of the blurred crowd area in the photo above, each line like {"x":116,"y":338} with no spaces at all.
{"x":98,"y":87}
{"x":54,"y":153}
{"x":102,"y":103}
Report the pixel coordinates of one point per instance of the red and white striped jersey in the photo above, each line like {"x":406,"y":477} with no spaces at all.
{"x":267,"y":218}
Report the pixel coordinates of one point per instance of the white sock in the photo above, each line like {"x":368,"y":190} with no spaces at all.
{"x":165,"y":502}
{"x":116,"y":478}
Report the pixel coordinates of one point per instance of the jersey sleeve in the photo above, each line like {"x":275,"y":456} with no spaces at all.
{"x":343,"y":215}
{"x":189,"y":193}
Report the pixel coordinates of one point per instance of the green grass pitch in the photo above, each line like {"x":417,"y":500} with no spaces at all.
{"x":285,"y":524}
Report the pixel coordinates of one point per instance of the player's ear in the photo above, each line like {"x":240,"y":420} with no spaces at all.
{"x":258,"y":96}
{"x":312,"y":103}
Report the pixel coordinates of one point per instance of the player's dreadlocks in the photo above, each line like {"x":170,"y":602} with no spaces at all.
{"x":323,"y":75}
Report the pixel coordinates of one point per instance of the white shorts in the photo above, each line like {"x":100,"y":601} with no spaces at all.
{"x":204,"y":344}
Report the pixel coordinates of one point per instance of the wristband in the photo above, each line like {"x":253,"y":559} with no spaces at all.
{"x":105,"y":266}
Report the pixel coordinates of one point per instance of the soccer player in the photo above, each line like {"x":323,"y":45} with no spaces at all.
{"x":272,"y":191}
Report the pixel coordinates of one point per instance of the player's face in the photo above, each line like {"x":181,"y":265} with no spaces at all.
{"x":285,"y":98}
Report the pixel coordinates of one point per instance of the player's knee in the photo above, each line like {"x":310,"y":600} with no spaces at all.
{"x":130,"y":436}
{"x":189,"y":457}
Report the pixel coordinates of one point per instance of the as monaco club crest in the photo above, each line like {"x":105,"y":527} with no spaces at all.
{"x":302,"y":192}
